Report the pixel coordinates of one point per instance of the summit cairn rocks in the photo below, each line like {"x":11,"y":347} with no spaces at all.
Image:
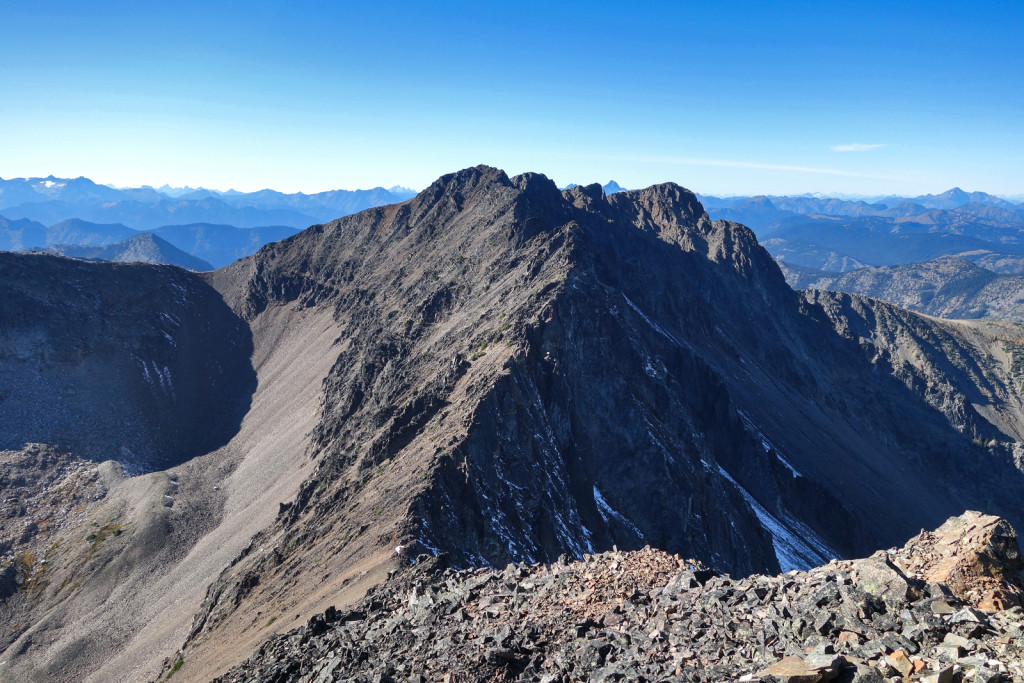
{"x":941,"y":609}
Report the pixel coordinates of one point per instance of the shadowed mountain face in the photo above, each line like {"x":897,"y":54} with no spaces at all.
{"x":501,"y":371}
{"x":140,"y":364}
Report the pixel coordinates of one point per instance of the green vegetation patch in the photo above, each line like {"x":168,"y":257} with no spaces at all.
{"x":177,"y":665}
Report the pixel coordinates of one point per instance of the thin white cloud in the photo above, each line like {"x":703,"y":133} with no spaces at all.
{"x":727,"y":163}
{"x":855,"y":147}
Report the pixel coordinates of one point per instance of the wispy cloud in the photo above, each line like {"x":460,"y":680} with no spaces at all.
{"x":855,"y":147}
{"x":729,"y":163}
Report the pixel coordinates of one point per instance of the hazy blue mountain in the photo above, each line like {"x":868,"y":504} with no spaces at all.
{"x":166,"y":211}
{"x":213,"y":244}
{"x":222,"y":244}
{"x":611,"y":187}
{"x":174,"y":191}
{"x":891,"y":206}
{"x":143,"y":247}
{"x":710,"y":202}
{"x":955,"y":197}
{"x":50,"y":200}
{"x":828,"y":206}
{"x":19,"y":234}
{"x":17,"y":191}
{"x":758,"y":213}
{"x":844,"y":234}
{"x":16,"y":235}
{"x":77,"y":231}
{"x":322,"y":206}
{"x":881,"y":241}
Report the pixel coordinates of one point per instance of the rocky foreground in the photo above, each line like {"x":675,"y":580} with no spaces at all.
{"x":946,"y":607}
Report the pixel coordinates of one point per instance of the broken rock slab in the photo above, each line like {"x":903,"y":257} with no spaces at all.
{"x":976,"y":556}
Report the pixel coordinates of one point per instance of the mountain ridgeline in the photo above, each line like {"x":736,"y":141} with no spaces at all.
{"x":500,"y":371}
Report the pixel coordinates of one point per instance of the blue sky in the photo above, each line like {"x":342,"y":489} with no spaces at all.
{"x":724,"y":98}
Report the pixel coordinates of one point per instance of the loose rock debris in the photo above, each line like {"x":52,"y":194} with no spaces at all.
{"x":945,"y":608}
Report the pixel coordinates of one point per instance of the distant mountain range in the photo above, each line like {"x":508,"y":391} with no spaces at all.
{"x":828,"y":233}
{"x":222,"y":244}
{"x":212,"y":245}
{"x":611,"y":187}
{"x":844,"y":206}
{"x":68,"y":215}
{"x":843,"y":234}
{"x":50,"y":200}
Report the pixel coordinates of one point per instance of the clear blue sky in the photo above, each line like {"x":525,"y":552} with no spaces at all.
{"x":738,"y":97}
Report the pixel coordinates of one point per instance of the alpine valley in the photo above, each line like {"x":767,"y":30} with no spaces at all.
{"x":319,"y":460}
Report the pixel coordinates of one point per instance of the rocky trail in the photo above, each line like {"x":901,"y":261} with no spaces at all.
{"x":945,"y":607}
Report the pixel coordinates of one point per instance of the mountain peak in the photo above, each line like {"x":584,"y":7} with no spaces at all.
{"x":466,"y":180}
{"x":497,"y":371}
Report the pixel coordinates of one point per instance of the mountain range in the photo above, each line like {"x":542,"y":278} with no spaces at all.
{"x":842,"y":234}
{"x":51,"y":200}
{"x":493,"y":371}
{"x":827,"y":233}
{"x":209,"y":246}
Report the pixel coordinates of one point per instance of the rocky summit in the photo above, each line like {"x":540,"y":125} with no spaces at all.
{"x":944,"y":608}
{"x":494,"y":371}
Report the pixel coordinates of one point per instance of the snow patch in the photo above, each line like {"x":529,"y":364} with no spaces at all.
{"x":767,"y":445}
{"x":182,"y":292}
{"x":608,"y":514}
{"x":654,"y":326}
{"x":796,"y":545}
{"x":787,"y":464}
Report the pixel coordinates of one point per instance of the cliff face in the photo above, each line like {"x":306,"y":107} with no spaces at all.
{"x":141,"y":364}
{"x":498,"y":371}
